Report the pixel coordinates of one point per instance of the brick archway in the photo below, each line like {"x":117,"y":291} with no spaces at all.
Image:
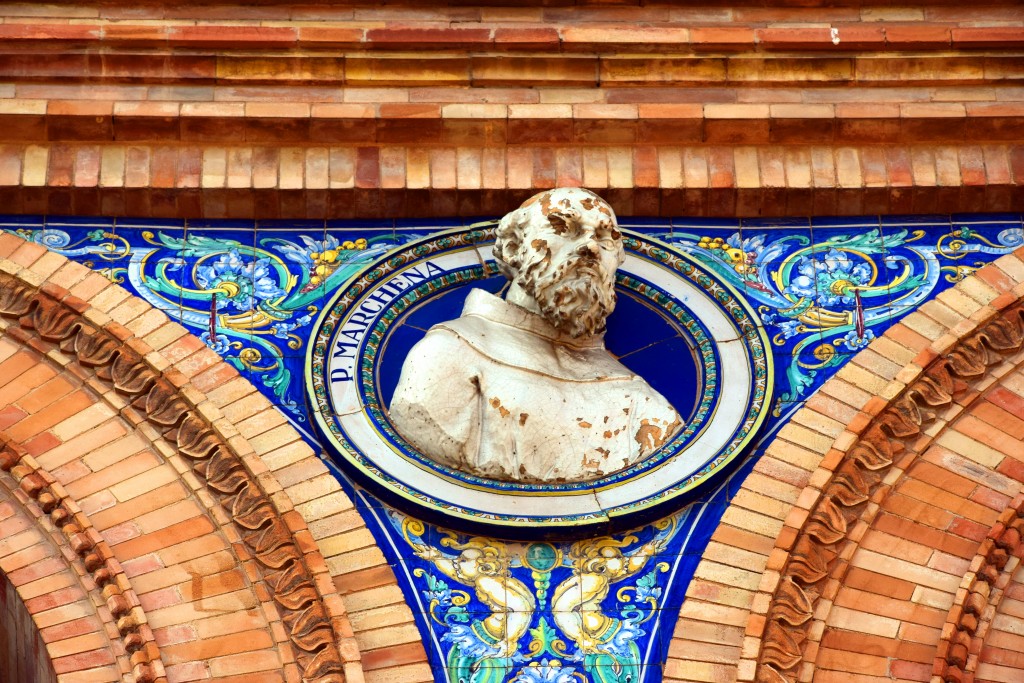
{"x":157,"y":504}
{"x":879,"y":535}
{"x":83,"y":578}
{"x":36,"y":578}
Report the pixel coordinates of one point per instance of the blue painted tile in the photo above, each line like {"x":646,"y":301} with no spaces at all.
{"x":634,"y":325}
{"x":13,"y":222}
{"x":985,"y":238}
{"x":671,"y":370}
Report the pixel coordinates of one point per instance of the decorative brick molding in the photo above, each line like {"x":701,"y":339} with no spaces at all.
{"x":375,"y":630}
{"x":79,"y":536}
{"x":407,"y":180}
{"x":46,"y":577}
{"x":49,"y":319}
{"x":818,"y":551}
{"x":780,"y":558}
{"x":54,"y":315}
{"x":983,"y":586}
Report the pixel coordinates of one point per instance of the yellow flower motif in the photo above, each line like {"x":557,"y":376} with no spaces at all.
{"x":327,"y":261}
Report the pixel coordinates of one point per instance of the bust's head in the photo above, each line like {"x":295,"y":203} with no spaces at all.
{"x":560,"y":250}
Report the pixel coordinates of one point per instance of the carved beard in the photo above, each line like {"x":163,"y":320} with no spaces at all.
{"x":576,"y":297}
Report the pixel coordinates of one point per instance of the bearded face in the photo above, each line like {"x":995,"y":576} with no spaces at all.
{"x":575,"y":294}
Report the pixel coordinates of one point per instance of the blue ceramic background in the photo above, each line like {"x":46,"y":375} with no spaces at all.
{"x":823,"y":287}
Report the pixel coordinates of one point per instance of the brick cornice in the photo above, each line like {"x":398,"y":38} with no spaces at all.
{"x":387,"y":112}
{"x":627,"y":119}
{"x":400,"y":181}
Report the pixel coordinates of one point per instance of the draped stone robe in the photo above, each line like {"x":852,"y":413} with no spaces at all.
{"x":502,"y":394}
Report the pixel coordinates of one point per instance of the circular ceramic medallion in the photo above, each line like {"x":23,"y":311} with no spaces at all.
{"x":687,"y":333}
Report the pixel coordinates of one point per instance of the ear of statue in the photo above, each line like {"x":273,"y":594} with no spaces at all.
{"x":510,"y":254}
{"x":507,"y":244}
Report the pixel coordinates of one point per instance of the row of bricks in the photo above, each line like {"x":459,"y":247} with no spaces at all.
{"x":364,"y":101}
{"x":549,"y":113}
{"x":403,"y":203}
{"x":658,"y":36}
{"x":711,"y":124}
{"x":473,"y":168}
{"x":435,"y":69}
{"x":428,"y":13}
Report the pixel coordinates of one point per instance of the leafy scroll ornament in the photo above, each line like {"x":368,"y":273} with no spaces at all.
{"x":824,"y":300}
{"x":493,"y":631}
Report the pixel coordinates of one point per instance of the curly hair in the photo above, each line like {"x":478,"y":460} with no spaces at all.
{"x":564,"y":207}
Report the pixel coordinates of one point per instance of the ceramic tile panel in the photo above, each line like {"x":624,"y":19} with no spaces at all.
{"x":541,"y":608}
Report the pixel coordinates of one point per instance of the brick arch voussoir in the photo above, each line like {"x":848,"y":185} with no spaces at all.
{"x":866,"y":472}
{"x":826,"y":471}
{"x":980,"y":596}
{"x":59,"y":308}
{"x":37,"y":550}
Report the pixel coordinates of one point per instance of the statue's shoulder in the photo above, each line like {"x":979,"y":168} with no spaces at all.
{"x":467,"y":328}
{"x":442,"y":341}
{"x":490,"y":339}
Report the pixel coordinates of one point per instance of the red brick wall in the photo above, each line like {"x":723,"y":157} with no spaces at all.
{"x":346,"y":111}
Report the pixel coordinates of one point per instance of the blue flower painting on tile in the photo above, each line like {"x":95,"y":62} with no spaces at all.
{"x":248,"y":301}
{"x":581,"y":610}
{"x":822,"y":299}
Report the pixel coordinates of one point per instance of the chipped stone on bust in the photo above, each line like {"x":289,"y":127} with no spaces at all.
{"x":522,"y":388}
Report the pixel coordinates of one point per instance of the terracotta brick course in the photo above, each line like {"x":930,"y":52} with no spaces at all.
{"x":402,"y":167}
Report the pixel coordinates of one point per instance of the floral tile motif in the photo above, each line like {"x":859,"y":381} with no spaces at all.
{"x":826,"y":292}
{"x":492,"y":610}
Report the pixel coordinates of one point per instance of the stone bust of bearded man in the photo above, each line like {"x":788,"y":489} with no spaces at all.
{"x":522,"y":388}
